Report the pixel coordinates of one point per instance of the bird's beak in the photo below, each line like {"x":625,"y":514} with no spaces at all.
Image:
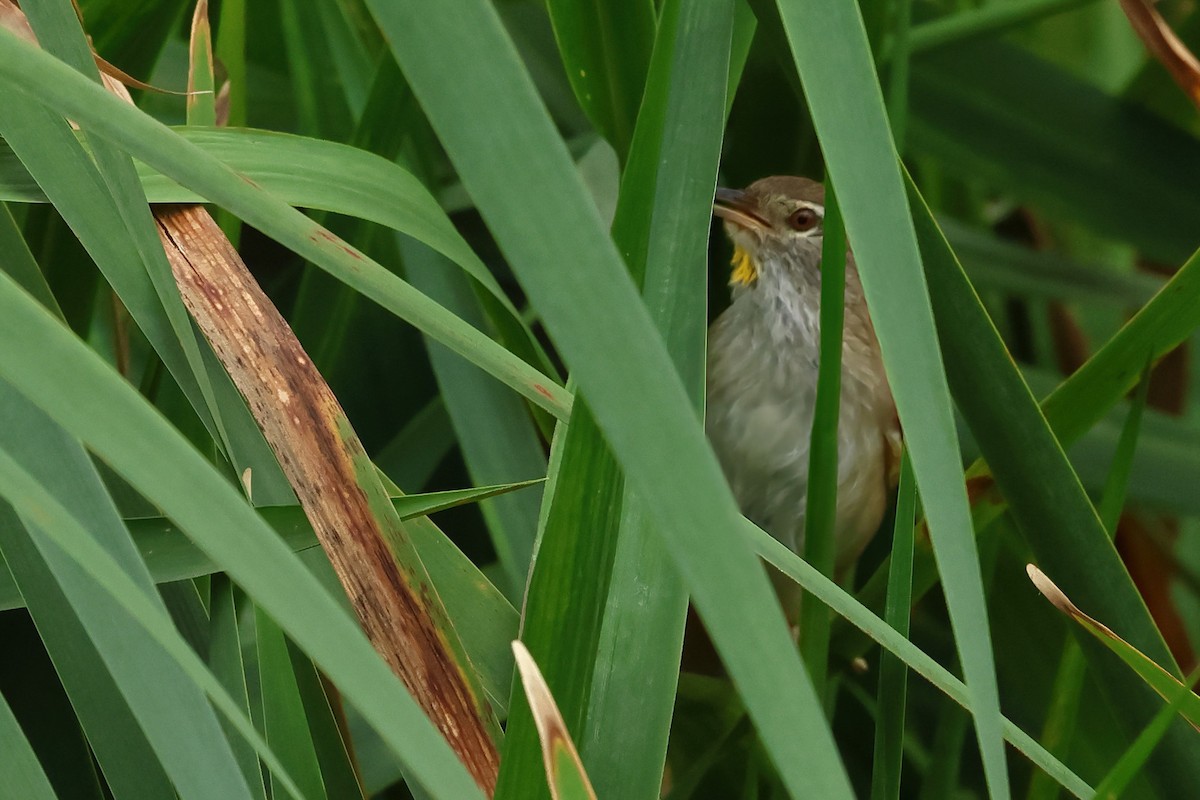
{"x":734,"y":205}
{"x":740,"y":209}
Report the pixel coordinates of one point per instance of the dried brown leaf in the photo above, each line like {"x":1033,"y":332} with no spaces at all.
{"x":333,"y":479}
{"x":124,"y":78}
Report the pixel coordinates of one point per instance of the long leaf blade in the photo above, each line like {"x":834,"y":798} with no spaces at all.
{"x":833,"y":56}
{"x":610,"y":343}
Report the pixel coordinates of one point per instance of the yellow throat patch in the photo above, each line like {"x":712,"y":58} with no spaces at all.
{"x":744,"y":272}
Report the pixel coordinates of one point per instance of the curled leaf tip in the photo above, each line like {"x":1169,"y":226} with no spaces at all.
{"x":1049,"y":590}
{"x":565,"y":774}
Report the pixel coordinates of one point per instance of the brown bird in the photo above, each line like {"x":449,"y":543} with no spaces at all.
{"x":763,"y":353}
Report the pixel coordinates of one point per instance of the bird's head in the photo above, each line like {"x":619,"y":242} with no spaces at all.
{"x":776,"y":224}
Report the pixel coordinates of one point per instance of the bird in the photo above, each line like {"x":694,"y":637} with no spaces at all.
{"x":761,"y":384}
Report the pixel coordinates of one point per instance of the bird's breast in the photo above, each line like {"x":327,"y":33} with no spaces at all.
{"x":761,"y":397}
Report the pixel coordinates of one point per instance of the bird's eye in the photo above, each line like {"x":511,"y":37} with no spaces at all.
{"x":804,"y":219}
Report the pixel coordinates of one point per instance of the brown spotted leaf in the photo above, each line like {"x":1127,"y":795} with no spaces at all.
{"x":335,"y":481}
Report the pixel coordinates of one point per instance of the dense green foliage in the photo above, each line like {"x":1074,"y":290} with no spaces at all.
{"x":504,"y":266}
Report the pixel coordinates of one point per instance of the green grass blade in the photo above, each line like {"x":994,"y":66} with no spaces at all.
{"x":231,"y":50}
{"x":22,"y":65}
{"x":84,"y":199}
{"x":320,"y":98}
{"x":20,"y":773}
{"x":410,"y":457}
{"x":386,"y":126}
{"x":42,"y":360}
{"x":45,"y":712}
{"x":285,"y":724}
{"x":20,"y":264}
{"x":941,"y":780}
{"x":1062,"y":713}
{"x":630,"y":715}
{"x":893,"y":674}
{"x":131,"y":766}
{"x":521,"y":177}
{"x":897,"y":90}
{"x":862,"y":618}
{"x":323,"y":175}
{"x":1160,"y":680}
{"x":605,"y":48}
{"x":1112,"y":500}
{"x":1117,"y":780}
{"x":186,"y":604}
{"x":225,"y":661}
{"x":353,"y":59}
{"x":662,"y":218}
{"x":68,"y":176}
{"x":1061,"y":716}
{"x":202,"y":106}
{"x":745,"y":25}
{"x":59,"y":31}
{"x":484,"y":619}
{"x":993,"y":263}
{"x":987,"y":382}
{"x":990,"y":20}
{"x":1083,"y":399}
{"x":137,"y":707}
{"x":1055,"y":515}
{"x":833,"y":56}
{"x":1003,"y":118}
{"x":820,"y":546}
{"x":98,"y":192}
{"x":324,"y":310}
{"x":202,"y":98}
{"x":497,"y":438}
{"x":321,"y":711}
{"x":35,"y":503}
{"x":577,"y":538}
{"x":1170,"y":316}
{"x":134,"y":35}
{"x":292,"y":524}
